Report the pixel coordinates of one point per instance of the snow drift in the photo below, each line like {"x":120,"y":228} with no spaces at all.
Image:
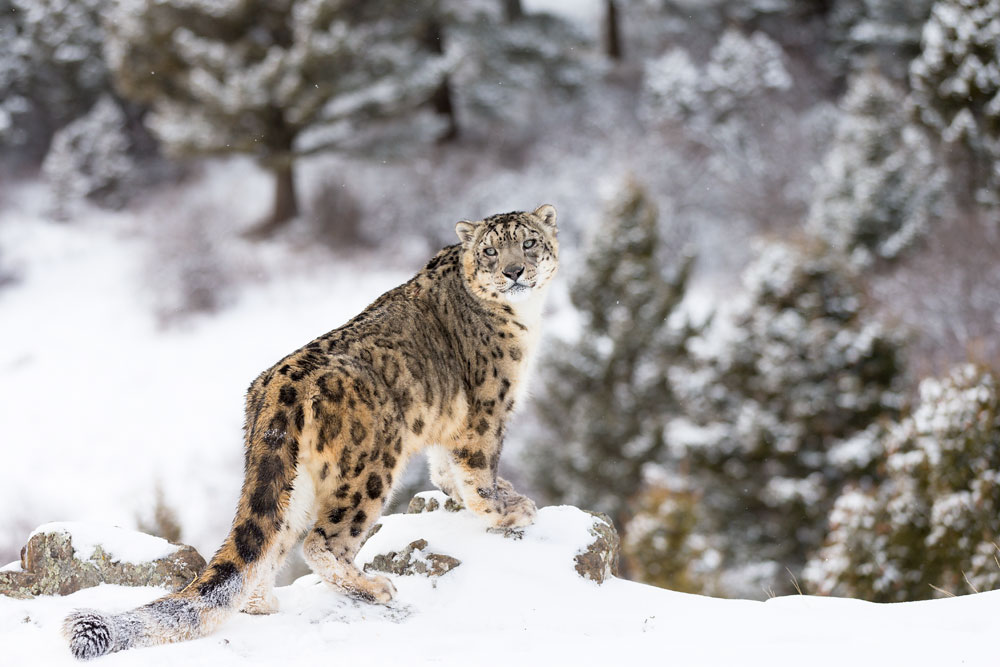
{"x":519,"y":600}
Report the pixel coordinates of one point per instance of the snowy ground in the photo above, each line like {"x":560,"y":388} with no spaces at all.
{"x":520,"y":602}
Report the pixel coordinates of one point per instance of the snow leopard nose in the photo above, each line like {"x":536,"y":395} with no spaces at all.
{"x":513,"y":271}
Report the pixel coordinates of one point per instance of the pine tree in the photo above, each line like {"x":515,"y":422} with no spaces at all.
{"x":276,"y":80}
{"x":887,"y":31}
{"x":661,"y":545}
{"x":931,"y":525}
{"x":738,"y":127}
{"x":956,"y":87}
{"x":511,"y":64}
{"x":51,"y":68}
{"x":779,"y":414}
{"x":607,"y":395}
{"x":741,"y":70}
{"x":879,"y":185}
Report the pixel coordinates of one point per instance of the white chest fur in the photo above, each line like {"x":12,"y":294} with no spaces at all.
{"x":528,"y":312}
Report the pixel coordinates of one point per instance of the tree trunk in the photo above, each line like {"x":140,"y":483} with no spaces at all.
{"x":513,"y":10}
{"x":286,"y":203}
{"x":441,"y":100}
{"x":613,"y":31}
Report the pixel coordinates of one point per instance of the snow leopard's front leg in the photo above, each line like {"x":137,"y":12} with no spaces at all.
{"x":474,"y":471}
{"x":439,"y":464}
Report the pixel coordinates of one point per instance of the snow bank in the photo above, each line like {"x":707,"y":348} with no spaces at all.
{"x":518,"y":601}
{"x":120,"y":545}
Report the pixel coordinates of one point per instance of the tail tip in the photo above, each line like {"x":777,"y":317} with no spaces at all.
{"x":89,"y":634}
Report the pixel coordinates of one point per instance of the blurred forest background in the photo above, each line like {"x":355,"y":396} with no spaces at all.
{"x":774,"y":351}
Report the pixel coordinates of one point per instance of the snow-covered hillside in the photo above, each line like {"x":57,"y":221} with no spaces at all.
{"x":519,"y":601}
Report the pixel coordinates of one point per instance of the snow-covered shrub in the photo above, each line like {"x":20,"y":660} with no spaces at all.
{"x":740,"y":70}
{"x":607,"y":394}
{"x":660,"y":544}
{"x":956,"y":86}
{"x":779,"y":414}
{"x":933,"y":524}
{"x":51,"y":67}
{"x":90,"y":159}
{"x":672,"y":88}
{"x":879,"y":184}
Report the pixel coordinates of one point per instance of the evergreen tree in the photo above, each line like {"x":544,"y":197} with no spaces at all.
{"x":879,"y":183}
{"x":51,"y":68}
{"x":741,"y":70}
{"x":276,"y":80}
{"x":511,"y":64}
{"x":607,"y":395}
{"x":932,"y":525}
{"x":612,"y":31}
{"x":661,"y":546}
{"x":886,"y":31}
{"x":956,"y":87}
{"x":778,"y":416}
{"x":738,"y":127}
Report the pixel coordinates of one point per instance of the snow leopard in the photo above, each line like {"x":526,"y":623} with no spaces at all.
{"x":435,"y":365}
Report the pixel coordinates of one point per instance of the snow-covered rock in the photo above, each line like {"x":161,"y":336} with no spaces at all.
{"x":62,"y":558}
{"x":429,"y":501}
{"x":413,"y":560}
{"x":432,"y":542}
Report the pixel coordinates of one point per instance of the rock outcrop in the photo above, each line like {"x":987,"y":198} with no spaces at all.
{"x":413,"y":560}
{"x":599,"y":561}
{"x":406,"y":551}
{"x":60,"y":559}
{"x":51,"y":564}
{"x":428,"y":501}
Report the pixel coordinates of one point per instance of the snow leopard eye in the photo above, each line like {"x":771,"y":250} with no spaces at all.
{"x":491,"y":252}
{"x":528,"y":243}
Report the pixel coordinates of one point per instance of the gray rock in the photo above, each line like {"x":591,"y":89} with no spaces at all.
{"x":599,"y":560}
{"x":50,"y":566}
{"x":420,"y":504}
{"x":413,"y":560}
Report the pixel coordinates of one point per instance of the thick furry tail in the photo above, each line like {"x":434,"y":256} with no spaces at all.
{"x":92,"y":634}
{"x":193,"y":612}
{"x":248,"y":557}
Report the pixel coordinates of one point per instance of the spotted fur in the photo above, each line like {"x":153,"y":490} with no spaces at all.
{"x":436,"y":364}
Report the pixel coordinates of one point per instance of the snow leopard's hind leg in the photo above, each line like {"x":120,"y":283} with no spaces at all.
{"x":330,"y":547}
{"x":354,"y":482}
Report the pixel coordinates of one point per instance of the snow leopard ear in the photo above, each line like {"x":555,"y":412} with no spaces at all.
{"x":466,"y":231}
{"x":546,"y":214}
